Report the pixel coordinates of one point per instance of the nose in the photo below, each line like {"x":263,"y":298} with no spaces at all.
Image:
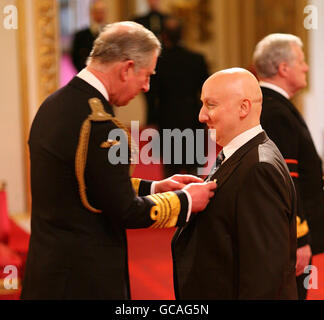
{"x":203,"y":115}
{"x":306,"y":68}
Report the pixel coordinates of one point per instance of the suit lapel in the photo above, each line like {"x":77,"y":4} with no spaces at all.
{"x":227,"y":168}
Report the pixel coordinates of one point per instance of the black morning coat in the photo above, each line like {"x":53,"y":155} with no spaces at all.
{"x":75,"y":253}
{"x":288,"y":130}
{"x":243,"y":246}
{"x":81,"y":47}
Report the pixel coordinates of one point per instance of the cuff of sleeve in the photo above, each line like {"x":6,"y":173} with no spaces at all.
{"x":169,"y":209}
{"x":153,"y":187}
{"x":189,"y":204}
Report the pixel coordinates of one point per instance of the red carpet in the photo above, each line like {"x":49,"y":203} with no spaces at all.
{"x":150,"y":264}
{"x":318,"y":294}
{"x":14,"y":253}
{"x":149,"y":252}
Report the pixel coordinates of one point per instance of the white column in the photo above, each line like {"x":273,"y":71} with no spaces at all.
{"x":11,"y":134}
{"x":314,"y":98}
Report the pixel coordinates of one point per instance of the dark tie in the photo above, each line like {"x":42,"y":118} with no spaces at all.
{"x":220,"y":158}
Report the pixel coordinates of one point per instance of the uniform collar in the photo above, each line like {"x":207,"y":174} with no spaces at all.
{"x":91,"y":79}
{"x":275,"y":88}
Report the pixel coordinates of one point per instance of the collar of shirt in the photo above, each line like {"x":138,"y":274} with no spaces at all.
{"x":91,"y":79}
{"x":274,"y":88}
{"x":240,"y":140}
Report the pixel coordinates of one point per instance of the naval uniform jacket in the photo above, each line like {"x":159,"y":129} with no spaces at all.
{"x":288,"y":130}
{"x":75,"y":253}
{"x":243,"y":245}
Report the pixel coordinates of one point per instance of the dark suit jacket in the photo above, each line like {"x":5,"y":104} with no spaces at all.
{"x":81,"y":47}
{"x":75,"y":253}
{"x":243,"y":246}
{"x":287,"y":128}
{"x":175,"y":95}
{"x":176,"y":88}
{"x":153,"y":21}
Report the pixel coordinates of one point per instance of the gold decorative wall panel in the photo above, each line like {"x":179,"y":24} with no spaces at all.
{"x":47,"y":43}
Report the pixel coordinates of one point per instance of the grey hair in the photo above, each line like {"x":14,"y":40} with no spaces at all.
{"x":126,"y":40}
{"x":271,"y":51}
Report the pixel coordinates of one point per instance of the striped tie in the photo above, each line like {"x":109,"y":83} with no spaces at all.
{"x":220,"y":158}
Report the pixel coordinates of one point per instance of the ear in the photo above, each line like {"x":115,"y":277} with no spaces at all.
{"x":245,"y":108}
{"x":283,"y":69}
{"x":126,"y":67}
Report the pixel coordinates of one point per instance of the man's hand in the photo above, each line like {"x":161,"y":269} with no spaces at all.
{"x":176,"y":182}
{"x":200,"y":194}
{"x":303,"y":257}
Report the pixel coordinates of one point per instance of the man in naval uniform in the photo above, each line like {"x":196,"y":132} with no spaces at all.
{"x":81,"y":202}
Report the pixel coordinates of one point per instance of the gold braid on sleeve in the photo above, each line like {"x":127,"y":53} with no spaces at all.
{"x":98,"y":115}
{"x":166,"y":210}
{"x":136,"y":184}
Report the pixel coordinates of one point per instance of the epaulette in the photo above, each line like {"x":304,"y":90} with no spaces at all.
{"x":98,"y":115}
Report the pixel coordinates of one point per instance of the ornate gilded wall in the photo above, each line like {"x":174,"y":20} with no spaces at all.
{"x":47,"y":44}
{"x":39,"y":66}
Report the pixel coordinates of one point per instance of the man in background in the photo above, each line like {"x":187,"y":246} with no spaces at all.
{"x":175,"y":90}
{"x":83,"y":39}
{"x":154,"y":21}
{"x":280,"y":65}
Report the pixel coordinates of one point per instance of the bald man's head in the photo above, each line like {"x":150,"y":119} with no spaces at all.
{"x":232,"y":102}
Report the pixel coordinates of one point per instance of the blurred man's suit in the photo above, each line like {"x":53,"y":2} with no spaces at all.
{"x":81,"y":47}
{"x":176,"y":87}
{"x":287,"y":128}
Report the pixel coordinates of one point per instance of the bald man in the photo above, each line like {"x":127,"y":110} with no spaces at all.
{"x":243,"y":245}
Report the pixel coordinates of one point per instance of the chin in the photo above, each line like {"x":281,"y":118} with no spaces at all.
{"x":212,"y":135}
{"x":122,"y":103}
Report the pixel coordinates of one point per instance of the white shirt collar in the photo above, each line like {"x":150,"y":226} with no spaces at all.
{"x":240,"y":140}
{"x":275,"y":88}
{"x":91,"y":79}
